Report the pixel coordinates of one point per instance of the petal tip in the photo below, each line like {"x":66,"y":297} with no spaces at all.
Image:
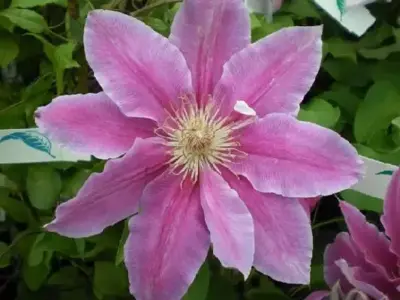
{"x":51,"y":227}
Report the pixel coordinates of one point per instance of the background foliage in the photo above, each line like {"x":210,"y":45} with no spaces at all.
{"x":357,"y":93}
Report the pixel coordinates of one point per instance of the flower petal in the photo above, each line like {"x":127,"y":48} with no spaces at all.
{"x":319,"y":295}
{"x":229,"y":222}
{"x":208,"y":32}
{"x":168,"y":240}
{"x":296,"y":159}
{"x":283,"y":236}
{"x":138,"y":69}
{"x":273,"y":74}
{"x":309,"y":204}
{"x":361,"y":280}
{"x":91,"y":124}
{"x":392,"y":212}
{"x":112,"y":195}
{"x":343,"y":248}
{"x":371,"y":242}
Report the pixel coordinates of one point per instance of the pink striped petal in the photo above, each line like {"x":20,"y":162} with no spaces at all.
{"x":283,"y":236}
{"x":138,"y":69}
{"x":309,"y":204}
{"x":343,"y":248}
{"x":112,"y":195}
{"x":168,"y":240}
{"x":296,"y":159}
{"x":369,"y":240}
{"x":91,"y":124}
{"x":361,"y":280}
{"x":392,"y":212}
{"x":319,"y":295}
{"x":229,"y":222}
{"x":273,"y":74}
{"x":208,"y":32}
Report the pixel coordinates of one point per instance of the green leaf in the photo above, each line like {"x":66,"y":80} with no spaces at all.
{"x":43,"y":185}
{"x":107,"y":240}
{"x":55,"y":242}
{"x":15,"y":209}
{"x":380,"y":107}
{"x":5,"y":182}
{"x":109,"y":279}
{"x":6,"y":258}
{"x":396,"y":33}
{"x":37,"y":252}
{"x":380,"y":53}
{"x":80,"y":247}
{"x":26,"y":19}
{"x":347,"y":71}
{"x":72,"y":185}
{"x":221,"y":288}
{"x":320,"y":112}
{"x":374,"y":38}
{"x":254,"y":21}
{"x":340,"y":48}
{"x":47,"y":243}
{"x":317,"y":276}
{"x":76,"y":294}
{"x":119,"y":258}
{"x":386,"y":71}
{"x":344,"y":97}
{"x":392,"y":157}
{"x":37,"y":88}
{"x":363,"y":201}
{"x":199,"y":288}
{"x":301,"y":9}
{"x":266,"y":28}
{"x":67,"y":276}
{"x":266,"y":290}
{"x":25,"y":239}
{"x":158,"y":25}
{"x":6,"y":24}
{"x":8,"y":51}
{"x":33,"y":3}
{"x":75,"y":27}
{"x":61,"y":59}
{"x":34,"y":277}
{"x":396,"y":130}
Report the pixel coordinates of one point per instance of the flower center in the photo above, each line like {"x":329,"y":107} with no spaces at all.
{"x":199,"y":138}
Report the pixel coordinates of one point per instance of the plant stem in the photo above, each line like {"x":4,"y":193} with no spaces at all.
{"x":336,"y":220}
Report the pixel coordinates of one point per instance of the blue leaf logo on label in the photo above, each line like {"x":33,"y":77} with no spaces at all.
{"x":32,"y":139}
{"x":341,"y":5}
{"x":386,"y":172}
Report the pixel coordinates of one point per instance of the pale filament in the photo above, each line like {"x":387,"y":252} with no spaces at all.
{"x":199,"y":137}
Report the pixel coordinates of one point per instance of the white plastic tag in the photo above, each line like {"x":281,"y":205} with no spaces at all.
{"x":356,"y":18}
{"x":377,"y":178}
{"x":31,"y":146}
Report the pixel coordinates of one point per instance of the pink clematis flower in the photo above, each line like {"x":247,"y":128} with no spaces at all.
{"x":204,"y":143}
{"x":309,"y":204}
{"x":365,"y":259}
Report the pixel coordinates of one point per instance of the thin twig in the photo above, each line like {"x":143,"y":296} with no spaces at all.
{"x":154,"y":5}
{"x":332,"y":221}
{"x":58,"y":36}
